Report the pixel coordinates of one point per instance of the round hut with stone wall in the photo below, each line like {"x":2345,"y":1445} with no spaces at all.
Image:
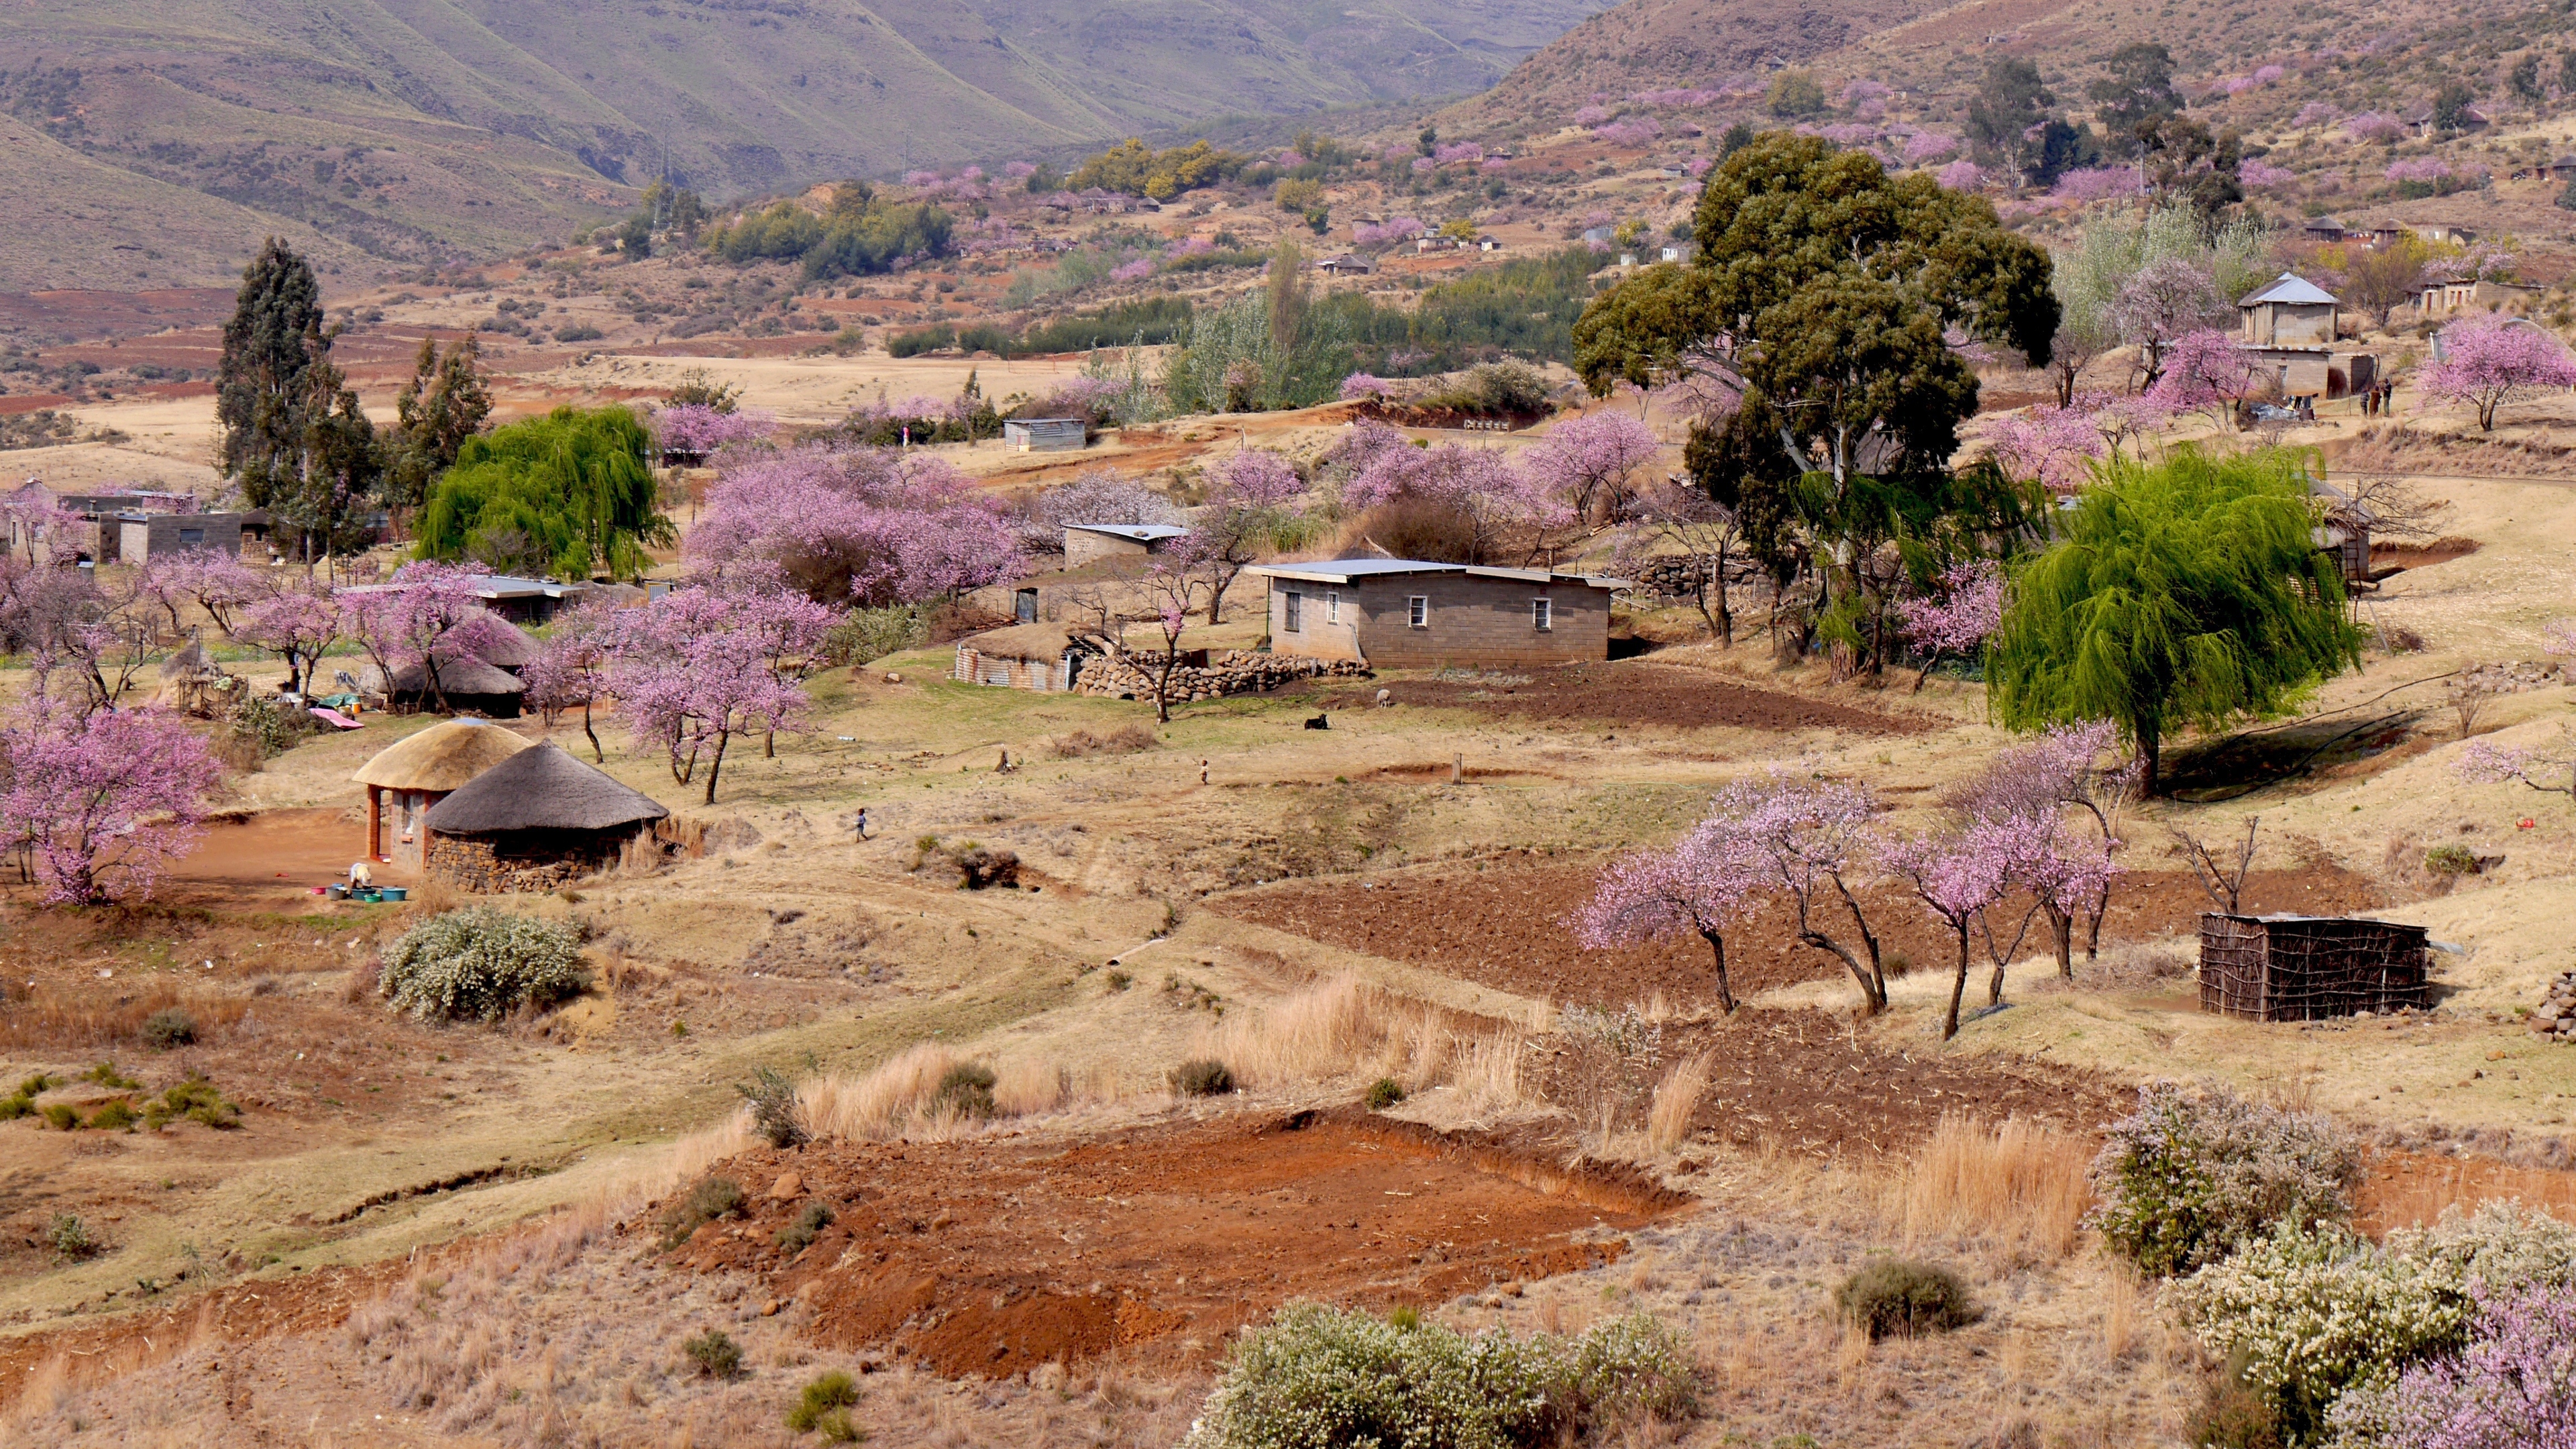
{"x":407,"y":778}
{"x":535,"y":822}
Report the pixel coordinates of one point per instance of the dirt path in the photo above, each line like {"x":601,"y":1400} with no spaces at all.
{"x":994,"y":1255}
{"x":1634,"y":692}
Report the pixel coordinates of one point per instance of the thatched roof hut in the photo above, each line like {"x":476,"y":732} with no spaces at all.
{"x":534,"y":821}
{"x":467,"y":684}
{"x":511,"y":647}
{"x":420,"y":771}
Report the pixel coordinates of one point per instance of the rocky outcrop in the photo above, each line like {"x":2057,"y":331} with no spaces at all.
{"x":1237,"y":671}
{"x":2557,"y":1014}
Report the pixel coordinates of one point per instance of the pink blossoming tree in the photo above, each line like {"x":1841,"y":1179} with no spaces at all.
{"x":868,"y":526}
{"x":701,"y":665}
{"x":690,"y":432}
{"x":2050,"y":446}
{"x":2203,"y":372}
{"x":104,"y":799}
{"x":1956,"y":877}
{"x":298,"y":625}
{"x":571,"y":668}
{"x":1250,"y":494}
{"x":2487,"y":362}
{"x":217,"y":582}
{"x":1700,"y":885}
{"x":427,"y":614}
{"x":1587,"y":462}
{"x":1952,"y":620}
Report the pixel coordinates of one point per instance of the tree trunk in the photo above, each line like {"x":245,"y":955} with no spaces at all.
{"x":2150,"y":750}
{"x":1873,"y":1000}
{"x":2061,"y":926}
{"x":1216,"y":598}
{"x":769,"y":744}
{"x":715,"y":766}
{"x":1717,"y":949}
{"x":595,"y":751}
{"x":1869,"y":940}
{"x":1959,"y":986}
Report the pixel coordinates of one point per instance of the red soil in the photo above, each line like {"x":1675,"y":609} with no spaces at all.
{"x":2410,"y":1189}
{"x":1637,"y":692}
{"x":994,"y":1255}
{"x":1505,"y":926}
{"x":274,"y":859}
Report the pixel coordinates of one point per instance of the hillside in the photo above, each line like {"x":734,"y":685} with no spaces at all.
{"x":414,"y":130}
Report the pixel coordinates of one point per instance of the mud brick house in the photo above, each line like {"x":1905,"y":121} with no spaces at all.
{"x":533,"y":822}
{"x":405,"y":779}
{"x":1024,"y":656}
{"x":1408,"y":614}
{"x":1045,"y":435}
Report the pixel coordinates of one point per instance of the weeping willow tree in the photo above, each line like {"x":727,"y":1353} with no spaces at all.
{"x":2187,"y":593}
{"x":566,"y":494}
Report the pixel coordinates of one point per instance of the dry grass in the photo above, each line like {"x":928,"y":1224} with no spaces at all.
{"x":2021,"y":1183}
{"x":880,"y":1104}
{"x":2421,"y":1189}
{"x":1127,"y":739}
{"x":1024,"y":1087}
{"x":1344,"y":1029}
{"x":57,"y":1017}
{"x":1668,"y":1120}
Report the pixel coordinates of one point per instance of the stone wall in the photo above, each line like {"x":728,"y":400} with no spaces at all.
{"x":1234,"y":672}
{"x":533,"y":865}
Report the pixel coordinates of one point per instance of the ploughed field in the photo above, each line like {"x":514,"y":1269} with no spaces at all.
{"x":1632,"y":692}
{"x":992,"y":1255}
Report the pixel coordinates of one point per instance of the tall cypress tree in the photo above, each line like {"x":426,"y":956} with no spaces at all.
{"x":274,"y":338}
{"x":445,"y":403}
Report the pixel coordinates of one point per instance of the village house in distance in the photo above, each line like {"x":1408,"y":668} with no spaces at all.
{"x":1393,"y":613}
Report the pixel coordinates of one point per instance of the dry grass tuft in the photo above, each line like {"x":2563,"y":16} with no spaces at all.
{"x":880,"y":1104}
{"x":2020,"y":1183}
{"x":1344,"y":1028}
{"x":1668,"y":1120}
{"x":1023,"y":1088}
{"x":1127,"y":739}
{"x":60,"y":1017}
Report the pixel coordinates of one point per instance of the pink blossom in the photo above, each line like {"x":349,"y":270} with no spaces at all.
{"x":1253,"y":478}
{"x":2203,"y":371}
{"x":1964,"y":606}
{"x":1193,"y":246}
{"x":1961,"y":176}
{"x":105,"y":799}
{"x":1422,"y":165}
{"x":1392,"y":230}
{"x":2512,"y":1385}
{"x":1673,"y":98}
{"x":1289,"y":160}
{"x":2489,"y":361}
{"x":1861,"y":92}
{"x":1849,"y":133}
{"x":2374,"y":126}
{"x":1633,"y":131}
{"x":1019,"y":171}
{"x":1698,"y":166}
{"x":299,"y":625}
{"x":2048,"y":445}
{"x":2419,"y":168}
{"x":2314,"y":113}
{"x":2101,"y":183}
{"x":1135,"y":271}
{"x":1361,"y":385}
{"x":700,"y":665}
{"x":868,"y":526}
{"x":1924,"y":147}
{"x":1700,"y":885}
{"x":1587,"y":461}
{"x":1458,"y":151}
{"x":2258,"y":172}
{"x":921,"y":178}
{"x":694,"y":430}
{"x":218,"y":582}
{"x":1591,"y":116}
{"x":2267,"y":74}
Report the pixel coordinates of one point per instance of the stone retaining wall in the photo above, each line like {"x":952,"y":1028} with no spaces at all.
{"x":1236,"y":671}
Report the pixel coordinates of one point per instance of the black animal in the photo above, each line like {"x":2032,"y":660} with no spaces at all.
{"x":1319,"y":722}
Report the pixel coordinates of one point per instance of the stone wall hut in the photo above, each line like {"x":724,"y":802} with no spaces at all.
{"x":1025,"y":656}
{"x":407,"y":778}
{"x":534,"y":822}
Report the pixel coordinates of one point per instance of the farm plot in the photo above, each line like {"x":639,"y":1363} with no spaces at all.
{"x":1633,"y":692}
{"x":993,"y":1255}
{"x":1507,"y":926}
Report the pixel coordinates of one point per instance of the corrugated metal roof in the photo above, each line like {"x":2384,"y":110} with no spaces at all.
{"x":1149,"y":532}
{"x":1347,"y":570}
{"x":2291,"y":287}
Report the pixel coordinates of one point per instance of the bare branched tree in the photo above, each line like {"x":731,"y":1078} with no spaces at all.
{"x":2223,"y":884}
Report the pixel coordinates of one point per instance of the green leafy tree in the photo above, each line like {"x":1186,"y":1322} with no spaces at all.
{"x":2010,"y":106}
{"x":1137,"y":169}
{"x":274,"y":338}
{"x":2451,"y":105}
{"x":2136,"y":85}
{"x":1823,"y":302}
{"x":635,"y":236}
{"x":569,"y":492}
{"x":1795,"y":95}
{"x":446,"y":402}
{"x":2189,"y":593}
{"x":2524,"y":79}
{"x":324,"y":500}
{"x":2188,"y":163}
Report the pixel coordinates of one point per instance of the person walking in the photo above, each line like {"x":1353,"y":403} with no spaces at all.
{"x":863,"y":822}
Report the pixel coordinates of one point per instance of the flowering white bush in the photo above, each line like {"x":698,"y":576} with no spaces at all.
{"x":2186,"y":1177}
{"x":1317,"y":1377}
{"x":481,"y":962}
{"x":2323,"y":1322}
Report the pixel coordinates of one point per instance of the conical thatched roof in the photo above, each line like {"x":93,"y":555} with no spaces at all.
{"x":189,"y":661}
{"x":510,"y":647}
{"x":457,"y":676}
{"x":441,"y":757}
{"x":541,"y":789}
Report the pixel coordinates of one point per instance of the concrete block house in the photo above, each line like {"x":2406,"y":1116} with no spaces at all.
{"x":2288,"y":332}
{"x":1409,"y":614}
{"x":1091,"y":542}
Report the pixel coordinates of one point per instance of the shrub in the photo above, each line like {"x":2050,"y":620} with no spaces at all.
{"x":482,"y":963}
{"x":834,"y":1390}
{"x":1204,"y":1077}
{"x":117,"y":1115}
{"x":2453,"y":860}
{"x":2233,"y":1416}
{"x":1127,"y":739}
{"x":869,"y":634}
{"x":1896,"y":1296}
{"x":965,"y":1090}
{"x":1315,"y":1377}
{"x":169,"y":1027}
{"x":106,"y":1075}
{"x":979,"y":868}
{"x":715,"y":1353}
{"x":70,"y":1237}
{"x":717,"y":1197}
{"x":775,"y":1113}
{"x":13,"y":1108}
{"x":2513,"y":1384}
{"x":1383,"y":1093}
{"x":195,"y":1099}
{"x":32,"y":1085}
{"x":2186,"y":1178}
{"x":800,"y":1234}
{"x":63,"y":1116}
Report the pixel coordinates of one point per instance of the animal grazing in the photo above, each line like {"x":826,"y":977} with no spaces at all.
{"x":1319,"y":722}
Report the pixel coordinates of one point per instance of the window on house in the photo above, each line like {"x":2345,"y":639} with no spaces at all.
{"x":1417,"y":611}
{"x":1332,"y":608}
{"x":1542,"y":615}
{"x":1292,"y":615}
{"x":192,"y":538}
